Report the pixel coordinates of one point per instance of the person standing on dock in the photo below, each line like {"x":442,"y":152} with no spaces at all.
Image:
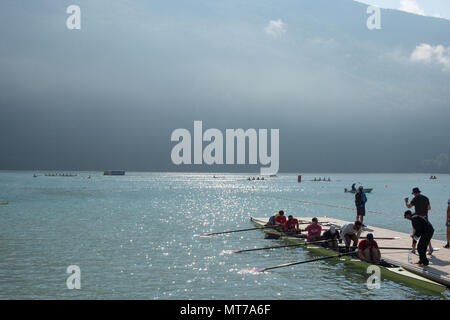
{"x":351,"y":232}
{"x":423,"y":230}
{"x":360,"y":202}
{"x":421,"y":207}
{"x":368,"y":250}
{"x":448,"y":224}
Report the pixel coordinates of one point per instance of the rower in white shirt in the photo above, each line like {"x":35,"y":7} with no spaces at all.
{"x":351,"y":232}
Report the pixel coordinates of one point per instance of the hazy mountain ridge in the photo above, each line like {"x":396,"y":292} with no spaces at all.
{"x":344,"y":98}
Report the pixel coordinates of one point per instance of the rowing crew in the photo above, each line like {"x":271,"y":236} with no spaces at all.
{"x":367,"y":248}
{"x":290,"y":226}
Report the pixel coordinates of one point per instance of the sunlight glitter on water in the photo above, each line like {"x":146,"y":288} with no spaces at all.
{"x":134,"y":236}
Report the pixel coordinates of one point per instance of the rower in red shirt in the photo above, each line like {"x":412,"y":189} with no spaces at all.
{"x":368,"y":250}
{"x":291,"y":226}
{"x":280,"y":221}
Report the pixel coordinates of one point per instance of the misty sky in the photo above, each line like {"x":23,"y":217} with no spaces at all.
{"x":108,"y":96}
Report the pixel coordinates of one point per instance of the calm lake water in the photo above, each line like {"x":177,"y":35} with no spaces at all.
{"x":133,"y":236}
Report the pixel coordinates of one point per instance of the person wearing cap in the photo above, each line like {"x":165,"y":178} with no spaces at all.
{"x":423,"y":230}
{"x":332,"y":235}
{"x":368,"y":250}
{"x":291,"y":226}
{"x":420,"y":203}
{"x":421,"y":206}
{"x":271,"y":221}
{"x":360,"y":202}
{"x":351,"y":232}
{"x":314,"y":230}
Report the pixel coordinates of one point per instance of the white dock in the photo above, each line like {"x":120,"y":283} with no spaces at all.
{"x":439,"y":268}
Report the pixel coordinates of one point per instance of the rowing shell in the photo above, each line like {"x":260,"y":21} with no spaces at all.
{"x":393,"y":273}
{"x":368,"y":190}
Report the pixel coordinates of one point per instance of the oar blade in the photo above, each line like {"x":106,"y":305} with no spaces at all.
{"x":258,"y":270}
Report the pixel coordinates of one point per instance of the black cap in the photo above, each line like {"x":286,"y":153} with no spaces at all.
{"x":407,"y":213}
{"x":415,"y":190}
{"x":369,"y":237}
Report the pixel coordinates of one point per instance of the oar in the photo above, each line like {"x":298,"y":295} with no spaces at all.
{"x":276,"y":247}
{"x":301,"y":262}
{"x":240,"y":230}
{"x":394,"y":248}
{"x":230,"y":231}
{"x":393,"y":238}
{"x":306,"y":222}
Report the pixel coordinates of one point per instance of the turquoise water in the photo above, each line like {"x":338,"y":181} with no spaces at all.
{"x":133,"y":236}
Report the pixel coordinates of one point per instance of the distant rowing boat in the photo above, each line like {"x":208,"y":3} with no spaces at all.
{"x":368,"y":190}
{"x":387,"y":270}
{"x":114,"y":172}
{"x":3,"y":203}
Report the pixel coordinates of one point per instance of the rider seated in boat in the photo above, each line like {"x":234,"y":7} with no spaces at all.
{"x":291,"y":226}
{"x":314,"y":230}
{"x":332,"y":235}
{"x":351,"y":232}
{"x":280,"y":220}
{"x":271,"y":221}
{"x":368,"y":250}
